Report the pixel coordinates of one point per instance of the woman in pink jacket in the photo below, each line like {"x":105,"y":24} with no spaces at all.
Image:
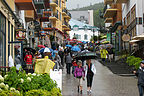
{"x":79,"y":73}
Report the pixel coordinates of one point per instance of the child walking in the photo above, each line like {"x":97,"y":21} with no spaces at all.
{"x":140,"y":75}
{"x":79,"y":73}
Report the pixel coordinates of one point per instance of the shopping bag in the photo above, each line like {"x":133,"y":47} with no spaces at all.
{"x":56,"y":75}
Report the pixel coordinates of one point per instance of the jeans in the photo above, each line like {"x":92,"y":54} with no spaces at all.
{"x":141,"y":90}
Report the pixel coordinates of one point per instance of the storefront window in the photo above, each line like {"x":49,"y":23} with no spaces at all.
{"x":2,"y":39}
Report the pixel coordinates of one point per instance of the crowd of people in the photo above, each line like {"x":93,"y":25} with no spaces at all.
{"x":64,"y":57}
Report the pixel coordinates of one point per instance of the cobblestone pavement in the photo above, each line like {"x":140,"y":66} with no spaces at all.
{"x":105,"y":84}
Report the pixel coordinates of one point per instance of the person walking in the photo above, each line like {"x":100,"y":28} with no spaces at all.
{"x":28,"y":59}
{"x":140,"y":75}
{"x":61,"y":54}
{"x":79,"y":73}
{"x":110,"y":53}
{"x":68,"y":63}
{"x":103,"y":53}
{"x":90,"y":70}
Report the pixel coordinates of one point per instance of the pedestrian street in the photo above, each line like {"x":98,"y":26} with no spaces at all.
{"x":105,"y":84}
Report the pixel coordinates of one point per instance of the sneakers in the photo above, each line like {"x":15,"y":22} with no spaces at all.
{"x":89,"y":91}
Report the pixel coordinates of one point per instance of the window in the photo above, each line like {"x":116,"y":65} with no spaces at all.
{"x":128,"y":19}
{"x":2,"y":40}
{"x":78,"y":36}
{"x":60,"y":16}
{"x":133,"y":31}
{"x":60,"y":3}
{"x":133,"y":13}
{"x":85,"y":37}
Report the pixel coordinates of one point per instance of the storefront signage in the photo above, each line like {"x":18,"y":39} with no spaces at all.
{"x":126,"y":37}
{"x":20,"y":34}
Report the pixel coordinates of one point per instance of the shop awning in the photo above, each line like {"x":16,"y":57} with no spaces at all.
{"x":133,"y":41}
{"x":139,"y":37}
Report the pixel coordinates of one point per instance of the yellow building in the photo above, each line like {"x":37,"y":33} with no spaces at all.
{"x":60,"y":18}
{"x":7,"y":24}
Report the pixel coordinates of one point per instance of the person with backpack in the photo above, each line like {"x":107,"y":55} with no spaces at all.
{"x":140,"y":74}
{"x":79,"y":73}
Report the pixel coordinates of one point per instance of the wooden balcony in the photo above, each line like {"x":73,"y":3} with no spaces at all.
{"x":108,"y":1}
{"x":121,"y":1}
{"x":25,"y":4}
{"x":108,"y":20}
{"x":53,"y":17}
{"x":110,"y":13}
{"x":68,"y":16}
{"x":29,"y":15}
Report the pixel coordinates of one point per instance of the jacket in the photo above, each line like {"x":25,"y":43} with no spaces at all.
{"x":79,"y":72}
{"x":103,"y":52}
{"x":93,"y":69}
{"x":140,"y":75}
{"x":68,"y":59}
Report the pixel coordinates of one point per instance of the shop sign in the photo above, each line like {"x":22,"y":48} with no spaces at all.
{"x":20,"y":34}
{"x":126,"y":37}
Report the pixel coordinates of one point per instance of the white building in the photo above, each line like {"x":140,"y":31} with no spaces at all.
{"x":132,"y":14}
{"x":82,"y":31}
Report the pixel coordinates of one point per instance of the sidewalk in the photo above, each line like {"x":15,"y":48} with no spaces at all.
{"x":105,"y":84}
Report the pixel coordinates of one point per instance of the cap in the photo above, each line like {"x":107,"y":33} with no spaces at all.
{"x":142,"y":61}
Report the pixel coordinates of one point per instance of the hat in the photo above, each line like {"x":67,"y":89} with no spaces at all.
{"x":142,"y":61}
{"x":47,"y":50}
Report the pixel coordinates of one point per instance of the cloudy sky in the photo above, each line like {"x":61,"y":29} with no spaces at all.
{"x":72,"y":4}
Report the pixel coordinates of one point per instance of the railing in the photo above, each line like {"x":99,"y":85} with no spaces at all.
{"x":69,"y":14}
{"x":48,"y":10}
{"x":65,"y":10}
{"x":55,"y":15}
{"x":39,"y":11}
{"x":38,"y":1}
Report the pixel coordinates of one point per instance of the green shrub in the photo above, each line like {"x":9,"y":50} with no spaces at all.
{"x":38,"y":93}
{"x":26,"y":82}
{"x":134,"y":61}
{"x":55,"y":92}
{"x":9,"y":93}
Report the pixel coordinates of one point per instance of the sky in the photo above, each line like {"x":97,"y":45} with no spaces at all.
{"x":72,"y":4}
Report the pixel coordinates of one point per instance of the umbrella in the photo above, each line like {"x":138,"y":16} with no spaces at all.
{"x":79,"y":42}
{"x":45,"y":49}
{"x":30,"y":49}
{"x":68,"y":45}
{"x":75,"y":48}
{"x":109,"y":45}
{"x":86,"y":55}
{"x":41,"y":46}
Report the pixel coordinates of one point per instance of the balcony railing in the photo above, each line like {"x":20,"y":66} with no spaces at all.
{"x":39,"y":4}
{"x":69,"y":14}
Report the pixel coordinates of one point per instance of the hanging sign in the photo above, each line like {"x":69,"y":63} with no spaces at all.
{"x":20,"y":34}
{"x":126,"y":37}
